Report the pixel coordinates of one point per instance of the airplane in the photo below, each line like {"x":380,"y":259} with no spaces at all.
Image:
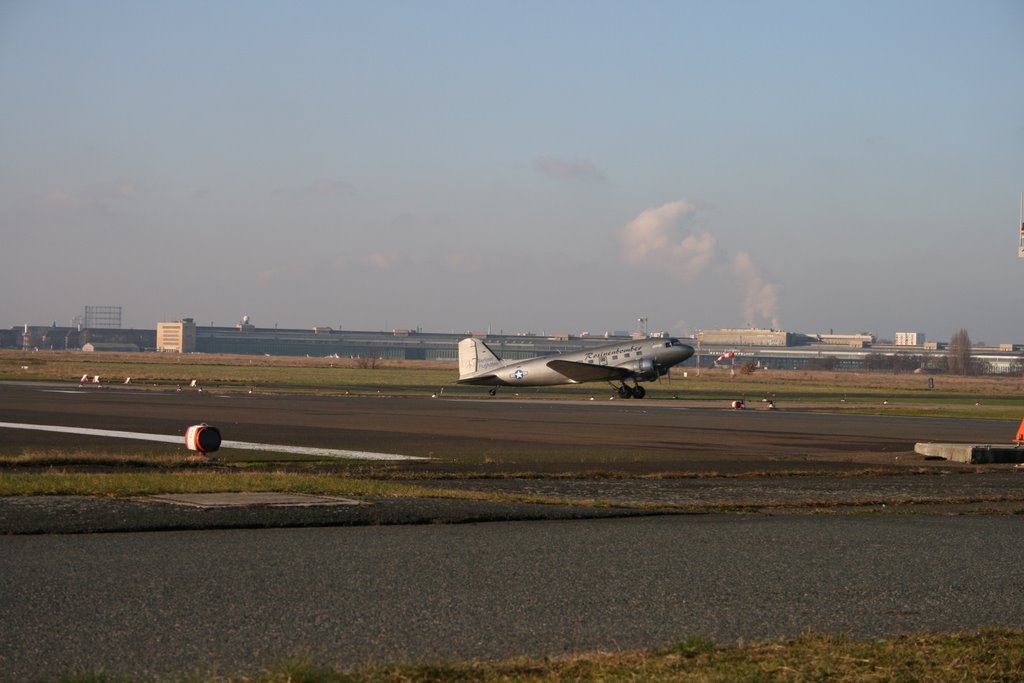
{"x":638,"y":361}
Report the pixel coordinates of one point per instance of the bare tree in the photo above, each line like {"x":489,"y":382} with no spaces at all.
{"x":958,"y":353}
{"x":904,"y":362}
{"x":368,"y":360}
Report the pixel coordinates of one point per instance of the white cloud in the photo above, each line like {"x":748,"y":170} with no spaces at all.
{"x":651,"y":240}
{"x":656,"y":240}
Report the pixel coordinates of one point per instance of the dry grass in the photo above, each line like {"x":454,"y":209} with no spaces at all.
{"x":982,"y":384}
{"x":278,"y":372}
{"x":317,"y":372}
{"x":989,"y":655}
{"x":12,"y":361}
{"x":128,"y":458}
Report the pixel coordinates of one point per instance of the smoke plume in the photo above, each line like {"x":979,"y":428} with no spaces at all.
{"x":760,"y":298}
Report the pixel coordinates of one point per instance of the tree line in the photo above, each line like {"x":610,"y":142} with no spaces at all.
{"x":957,"y":361}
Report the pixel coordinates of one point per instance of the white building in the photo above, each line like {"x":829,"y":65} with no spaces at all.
{"x":179,"y":337}
{"x":909,"y":338}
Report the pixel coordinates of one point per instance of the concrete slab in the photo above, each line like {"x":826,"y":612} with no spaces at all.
{"x":234,"y":500}
{"x":978,"y":454}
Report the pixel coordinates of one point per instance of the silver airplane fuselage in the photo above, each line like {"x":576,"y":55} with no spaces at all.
{"x":637,"y":361}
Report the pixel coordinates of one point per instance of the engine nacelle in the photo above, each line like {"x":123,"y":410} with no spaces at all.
{"x":647,"y":369}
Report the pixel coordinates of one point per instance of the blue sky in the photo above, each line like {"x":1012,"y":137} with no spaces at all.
{"x":528,"y":166}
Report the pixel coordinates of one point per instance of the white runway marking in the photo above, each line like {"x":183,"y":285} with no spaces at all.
{"x":251,"y":499}
{"x":242,"y":445}
{"x":310,"y":450}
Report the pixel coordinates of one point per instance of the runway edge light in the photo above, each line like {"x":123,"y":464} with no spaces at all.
{"x":202,"y":438}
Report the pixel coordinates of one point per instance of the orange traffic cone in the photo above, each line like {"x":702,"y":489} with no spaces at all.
{"x":1020,"y":433}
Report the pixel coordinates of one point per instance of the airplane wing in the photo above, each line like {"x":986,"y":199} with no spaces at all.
{"x":486,"y":380}
{"x":588,"y":372}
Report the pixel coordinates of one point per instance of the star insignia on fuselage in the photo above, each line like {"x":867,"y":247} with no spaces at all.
{"x":519,"y":374}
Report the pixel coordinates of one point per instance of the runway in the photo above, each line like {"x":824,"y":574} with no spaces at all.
{"x":235,"y":601}
{"x":223,"y":445}
{"x":635,"y":437}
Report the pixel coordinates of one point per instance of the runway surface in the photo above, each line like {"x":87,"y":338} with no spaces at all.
{"x":499,"y":435}
{"x":235,"y":601}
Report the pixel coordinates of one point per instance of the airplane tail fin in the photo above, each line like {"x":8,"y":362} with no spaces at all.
{"x":475,"y":357}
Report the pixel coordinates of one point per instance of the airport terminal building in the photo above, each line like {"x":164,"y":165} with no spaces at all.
{"x":184,"y":336}
{"x":764,"y":348}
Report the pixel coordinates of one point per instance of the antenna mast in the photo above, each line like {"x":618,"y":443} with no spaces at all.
{"x":1020,"y":248}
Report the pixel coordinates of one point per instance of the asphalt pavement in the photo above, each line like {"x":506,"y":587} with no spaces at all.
{"x":236,"y":601}
{"x":85,"y":514}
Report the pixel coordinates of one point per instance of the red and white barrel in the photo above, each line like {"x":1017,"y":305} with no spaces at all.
{"x":202,"y":438}
{"x":738,"y":405}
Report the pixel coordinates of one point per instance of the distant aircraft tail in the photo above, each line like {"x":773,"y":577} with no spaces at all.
{"x":475,"y":357}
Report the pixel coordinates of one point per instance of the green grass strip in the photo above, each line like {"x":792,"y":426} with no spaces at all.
{"x":127,"y":484}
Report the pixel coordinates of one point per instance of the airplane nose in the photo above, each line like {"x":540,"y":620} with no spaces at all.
{"x":687,"y":350}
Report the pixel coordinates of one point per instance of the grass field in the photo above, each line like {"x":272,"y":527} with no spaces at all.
{"x":124,"y":484}
{"x":995,"y":397}
{"x":226,"y":371}
{"x":989,"y":655}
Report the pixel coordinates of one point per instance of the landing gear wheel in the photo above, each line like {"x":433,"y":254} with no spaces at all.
{"x":625,"y":392}
{"x":639,"y":391}
{"x":493,"y":391}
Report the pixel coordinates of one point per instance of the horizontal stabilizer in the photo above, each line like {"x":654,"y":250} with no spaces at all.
{"x":588,"y":372}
